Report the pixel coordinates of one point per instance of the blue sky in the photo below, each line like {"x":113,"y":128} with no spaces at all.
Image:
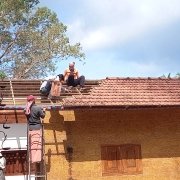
{"x":122,"y":38}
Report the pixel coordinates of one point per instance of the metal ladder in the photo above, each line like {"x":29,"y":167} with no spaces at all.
{"x":40,"y":167}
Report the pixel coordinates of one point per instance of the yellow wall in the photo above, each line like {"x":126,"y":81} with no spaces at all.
{"x":158,"y":132}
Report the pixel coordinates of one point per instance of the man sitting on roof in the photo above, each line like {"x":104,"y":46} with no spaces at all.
{"x":71,"y":76}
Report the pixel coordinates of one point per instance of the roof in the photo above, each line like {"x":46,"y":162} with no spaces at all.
{"x":16,"y":91}
{"x":130,"y":92}
{"x":115,"y":92}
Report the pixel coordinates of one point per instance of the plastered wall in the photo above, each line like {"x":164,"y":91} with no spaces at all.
{"x":157,"y":130}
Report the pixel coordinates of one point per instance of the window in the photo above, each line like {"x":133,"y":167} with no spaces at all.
{"x":121,"y":159}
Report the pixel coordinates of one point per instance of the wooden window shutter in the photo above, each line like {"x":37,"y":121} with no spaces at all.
{"x":110,"y":157}
{"x":131,"y":158}
{"x":121,"y":159}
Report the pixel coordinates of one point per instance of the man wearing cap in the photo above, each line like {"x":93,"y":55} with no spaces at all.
{"x":34,"y":115}
{"x":71,"y":76}
{"x":2,"y":166}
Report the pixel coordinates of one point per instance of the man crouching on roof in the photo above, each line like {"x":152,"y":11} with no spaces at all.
{"x":34,"y":114}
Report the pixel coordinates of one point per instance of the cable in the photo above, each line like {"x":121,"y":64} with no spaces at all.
{"x":5,"y":137}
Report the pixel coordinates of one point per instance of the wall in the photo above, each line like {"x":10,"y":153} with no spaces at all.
{"x":157,"y":130}
{"x":16,"y":136}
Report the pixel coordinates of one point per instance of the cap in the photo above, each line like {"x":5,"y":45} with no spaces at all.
{"x":31,"y":98}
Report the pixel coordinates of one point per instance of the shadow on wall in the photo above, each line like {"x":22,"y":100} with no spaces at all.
{"x":48,"y":161}
{"x":55,"y":138}
{"x":156,"y":130}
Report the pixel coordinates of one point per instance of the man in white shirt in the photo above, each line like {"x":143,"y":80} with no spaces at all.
{"x":46,"y":87}
{"x":2,"y":166}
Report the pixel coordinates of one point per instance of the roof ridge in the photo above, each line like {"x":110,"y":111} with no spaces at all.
{"x":141,"y":78}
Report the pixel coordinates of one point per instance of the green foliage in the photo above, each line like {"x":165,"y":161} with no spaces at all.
{"x":2,"y":75}
{"x":32,"y":40}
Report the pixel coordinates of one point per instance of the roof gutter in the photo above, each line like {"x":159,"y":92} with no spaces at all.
{"x":48,"y":107}
{"x":65,"y":107}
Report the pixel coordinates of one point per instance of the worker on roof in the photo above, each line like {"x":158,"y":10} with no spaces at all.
{"x":34,"y":115}
{"x":45,"y":87}
{"x":71,"y":76}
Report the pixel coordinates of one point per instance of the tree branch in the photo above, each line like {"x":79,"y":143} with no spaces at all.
{"x":9,"y":45}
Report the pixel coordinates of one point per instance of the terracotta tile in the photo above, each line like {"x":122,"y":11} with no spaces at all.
{"x":131,"y":91}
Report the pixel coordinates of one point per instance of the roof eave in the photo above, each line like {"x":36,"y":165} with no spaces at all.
{"x":125,"y":107}
{"x":71,"y":107}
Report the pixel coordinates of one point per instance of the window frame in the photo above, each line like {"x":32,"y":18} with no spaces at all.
{"x":116,"y":156}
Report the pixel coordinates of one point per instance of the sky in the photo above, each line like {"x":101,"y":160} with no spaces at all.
{"x":122,"y":38}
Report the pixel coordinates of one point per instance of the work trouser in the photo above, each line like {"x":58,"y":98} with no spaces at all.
{"x":74,"y":82}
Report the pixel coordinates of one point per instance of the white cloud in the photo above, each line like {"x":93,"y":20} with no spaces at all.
{"x":110,"y":22}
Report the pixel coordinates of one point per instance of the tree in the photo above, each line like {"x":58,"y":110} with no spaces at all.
{"x":32,"y":40}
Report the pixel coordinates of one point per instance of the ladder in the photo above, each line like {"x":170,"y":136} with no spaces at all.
{"x":38,"y":172}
